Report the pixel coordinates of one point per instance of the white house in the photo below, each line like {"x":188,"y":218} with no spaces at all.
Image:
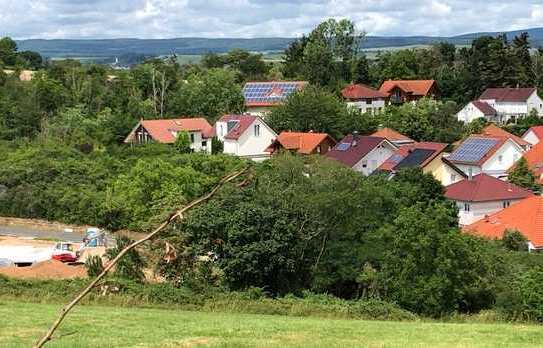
{"x":484,"y":154}
{"x":362,"y":153}
{"x":533,"y":135}
{"x":364,"y":98}
{"x":503,"y":104}
{"x":166,"y":131}
{"x":481,"y":195}
{"x":245,"y":136}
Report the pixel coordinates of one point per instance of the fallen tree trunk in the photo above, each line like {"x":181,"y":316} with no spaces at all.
{"x":177,"y":215}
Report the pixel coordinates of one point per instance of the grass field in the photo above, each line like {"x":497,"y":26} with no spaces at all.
{"x":95,"y":326}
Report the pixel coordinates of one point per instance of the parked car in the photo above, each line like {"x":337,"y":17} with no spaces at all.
{"x":65,"y":252}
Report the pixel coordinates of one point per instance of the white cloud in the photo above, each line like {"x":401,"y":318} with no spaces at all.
{"x":258,"y":18}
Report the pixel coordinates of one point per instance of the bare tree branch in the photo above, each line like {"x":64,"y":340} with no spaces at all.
{"x":178,"y":214}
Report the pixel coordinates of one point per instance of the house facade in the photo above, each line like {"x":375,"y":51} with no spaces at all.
{"x":362,"y":153}
{"x":364,"y":98}
{"x":246,"y":136}
{"x":534,"y":135}
{"x":303,"y":143}
{"x":507,"y":104}
{"x":481,"y":195}
{"x":165,"y":131}
{"x":483,"y":154}
{"x":262,"y":97}
{"x":404,"y":91}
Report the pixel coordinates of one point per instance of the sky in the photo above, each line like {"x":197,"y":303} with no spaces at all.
{"x":74,"y":19}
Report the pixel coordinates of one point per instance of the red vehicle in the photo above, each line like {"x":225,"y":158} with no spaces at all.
{"x":65,"y":252}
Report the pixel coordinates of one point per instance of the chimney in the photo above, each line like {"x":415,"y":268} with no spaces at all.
{"x":470,"y":174}
{"x":355,"y":138}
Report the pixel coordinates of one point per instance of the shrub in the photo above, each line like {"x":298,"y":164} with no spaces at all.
{"x":94,"y":265}
{"x":513,"y":240}
{"x":524,"y":301}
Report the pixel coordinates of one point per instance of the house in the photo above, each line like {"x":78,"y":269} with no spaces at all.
{"x":525,"y":216}
{"x":24,"y":75}
{"x":362,"y":153}
{"x":533,"y":135}
{"x":246,"y":136}
{"x":261,"y":97}
{"x":426,"y":155}
{"x":394,"y":137}
{"x":302,"y":143}
{"x":166,"y":130}
{"x":486,"y":154}
{"x":364,"y":98}
{"x":402,"y":91}
{"x":481,"y":195}
{"x":534,"y":159}
{"x":494,"y":131}
{"x":477,"y":109}
{"x":508,"y":104}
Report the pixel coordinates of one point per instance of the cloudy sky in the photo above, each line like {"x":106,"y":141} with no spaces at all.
{"x":49,"y":19}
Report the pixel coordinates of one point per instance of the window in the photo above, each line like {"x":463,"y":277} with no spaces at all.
{"x":319,"y":150}
{"x":466,"y":207}
{"x":506,"y":204}
{"x":204,"y":143}
{"x":257,"y":130}
{"x":222,"y":130}
{"x":500,"y":158}
{"x":453,"y":178}
{"x":365,"y":164}
{"x":368,"y":101}
{"x":192,"y":137}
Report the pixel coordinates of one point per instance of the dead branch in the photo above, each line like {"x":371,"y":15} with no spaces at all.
{"x":177,"y":215}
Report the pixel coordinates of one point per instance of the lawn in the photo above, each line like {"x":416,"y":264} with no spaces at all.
{"x":95,"y":326}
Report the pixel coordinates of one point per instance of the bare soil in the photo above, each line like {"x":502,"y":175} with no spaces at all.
{"x":51,"y":269}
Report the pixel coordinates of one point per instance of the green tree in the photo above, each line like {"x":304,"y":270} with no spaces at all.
{"x":182,"y":142}
{"x":522,"y":176}
{"x":8,"y":51}
{"x":131,"y":265}
{"x":211,"y":94}
{"x":513,"y":240}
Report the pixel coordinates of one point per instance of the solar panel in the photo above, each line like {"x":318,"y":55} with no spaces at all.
{"x":473,"y":149}
{"x":270,"y":92}
{"x":415,"y":158}
{"x":343,"y":146}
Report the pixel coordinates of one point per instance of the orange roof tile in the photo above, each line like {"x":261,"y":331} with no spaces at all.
{"x":534,"y":158}
{"x":415,"y":87}
{"x":525,"y":216}
{"x":391,"y":135}
{"x":495,"y":131}
{"x":304,"y":143}
{"x":361,"y":91}
{"x":163,"y":131}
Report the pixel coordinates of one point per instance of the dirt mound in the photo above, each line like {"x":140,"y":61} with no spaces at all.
{"x":50,"y":269}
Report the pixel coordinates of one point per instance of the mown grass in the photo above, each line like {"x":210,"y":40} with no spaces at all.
{"x":99,"y":326}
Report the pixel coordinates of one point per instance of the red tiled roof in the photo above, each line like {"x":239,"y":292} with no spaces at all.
{"x":415,"y":87}
{"x":304,"y":143}
{"x":495,"y":131}
{"x":483,"y":188}
{"x":360,"y":91}
{"x":515,"y":95}
{"x":525,"y":216}
{"x":484,"y":107}
{"x":538,"y":131}
{"x":244,"y":122}
{"x":354,"y":154}
{"x":391,"y":135}
{"x":404,"y":151}
{"x":163,"y":131}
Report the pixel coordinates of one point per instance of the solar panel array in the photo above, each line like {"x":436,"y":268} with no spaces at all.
{"x":269,"y":92}
{"x":415,"y":158}
{"x":473,"y":149}
{"x":343,"y":146}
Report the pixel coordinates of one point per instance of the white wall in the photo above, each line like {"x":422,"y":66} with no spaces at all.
{"x":535,"y":102}
{"x":197,"y":145}
{"x":375,"y":106}
{"x":260,"y":111}
{"x":507,"y":155}
{"x":374,"y":158}
{"x":531,"y":137}
{"x":251,"y":146}
{"x":469,"y":113}
{"x":478,"y":210}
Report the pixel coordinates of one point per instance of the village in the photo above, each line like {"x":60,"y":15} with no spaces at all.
{"x":236,"y":200}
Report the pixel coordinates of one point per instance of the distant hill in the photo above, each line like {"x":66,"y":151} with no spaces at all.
{"x":109,"y":48}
